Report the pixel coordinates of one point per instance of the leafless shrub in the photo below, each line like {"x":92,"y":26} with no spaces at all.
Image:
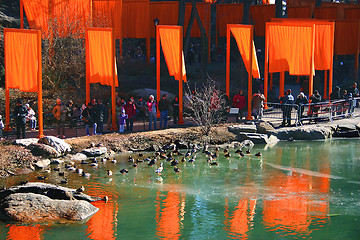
{"x":206,"y":105}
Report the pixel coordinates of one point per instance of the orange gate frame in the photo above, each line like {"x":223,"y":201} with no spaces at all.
{"x":180,"y":77}
{"x":266,"y":68}
{"x":250,"y":73}
{"x":39,"y":82}
{"x":113,"y":102}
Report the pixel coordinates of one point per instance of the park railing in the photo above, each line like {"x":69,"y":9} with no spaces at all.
{"x":311,"y":112}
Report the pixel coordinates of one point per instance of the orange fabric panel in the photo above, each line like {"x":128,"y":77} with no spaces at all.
{"x":106,"y":14}
{"x":325,"y":13}
{"x":242,"y":37}
{"x":21,"y":59}
{"x":352,"y":13}
{"x":37,"y":14}
{"x":299,"y":12}
{"x":227,"y":14}
{"x":260,"y":14}
{"x":70,"y":16}
{"x":170,"y":42}
{"x":204,"y":11}
{"x":135,"y":19}
{"x":99,"y":50}
{"x":324,"y":39}
{"x":25,"y":232}
{"x":346,"y":32}
{"x":283,"y":56}
{"x":166,"y":12}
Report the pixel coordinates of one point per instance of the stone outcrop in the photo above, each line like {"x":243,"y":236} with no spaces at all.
{"x":42,"y":163}
{"x":58,"y":144}
{"x":31,"y":207}
{"x":309,"y":132}
{"x":242,"y":128}
{"x":257,"y":138}
{"x":42,"y":202}
{"x":38,"y":149}
{"x":94,"y":151}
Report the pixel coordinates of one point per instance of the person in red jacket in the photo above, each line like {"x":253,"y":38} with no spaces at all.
{"x":239,"y":101}
{"x":130,"y":110}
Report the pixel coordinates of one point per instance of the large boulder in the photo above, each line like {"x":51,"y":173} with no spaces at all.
{"x":94,"y":151}
{"x":79,"y":157}
{"x":58,"y":144}
{"x":310,"y":132}
{"x":49,"y":190}
{"x":38,"y":149}
{"x":26,"y":141}
{"x":242,"y":128}
{"x":42,"y":163}
{"x":346,"y":131}
{"x":264,"y":127}
{"x":257,"y":138}
{"x":31,"y":207}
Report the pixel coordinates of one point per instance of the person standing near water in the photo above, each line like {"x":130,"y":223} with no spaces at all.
{"x":20,"y":113}
{"x":152,"y":105}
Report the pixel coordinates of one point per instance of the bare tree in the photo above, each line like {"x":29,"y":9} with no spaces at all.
{"x":206,"y":105}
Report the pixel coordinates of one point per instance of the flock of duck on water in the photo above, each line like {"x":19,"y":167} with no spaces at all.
{"x":166,"y":153}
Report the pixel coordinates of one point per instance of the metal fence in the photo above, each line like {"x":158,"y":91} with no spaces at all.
{"x":288,"y":114}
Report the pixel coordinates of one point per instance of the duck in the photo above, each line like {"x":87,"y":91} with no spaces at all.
{"x":191,"y":160}
{"x":80,"y":189}
{"x":61,"y":173}
{"x":84,"y":174}
{"x":103,"y":159}
{"x":226,"y":150}
{"x":94,"y":165}
{"x":124,"y":170}
{"x":113,"y":161}
{"x":169,"y":159}
{"x":109,"y":172}
{"x":105,"y":199}
{"x":205,"y":149}
{"x":176,"y":169}
{"x":159,"y":169}
{"x":41,"y":178}
{"x":147,"y":159}
{"x":135,"y":165}
{"x":64,"y":181}
{"x":188,"y":154}
{"x":56,"y":169}
{"x":183,"y":159}
{"x":140,"y":155}
{"x":169,"y":155}
{"x":152,"y":162}
{"x":227,"y":155}
{"x":174,"y":162}
{"x":238,"y":151}
{"x":99,"y":144}
{"x":247,"y":151}
{"x":258,"y":154}
{"x":131,"y":159}
{"x":214,"y":164}
{"x":139,"y":160}
{"x":23,"y":182}
{"x":79,"y":170}
{"x":217,"y":149}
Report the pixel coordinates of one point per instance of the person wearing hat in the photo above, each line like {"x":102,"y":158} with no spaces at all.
{"x":31,"y":117}
{"x":59,"y":112}
{"x":152,"y":107}
{"x":287,"y":102}
{"x":20,"y":113}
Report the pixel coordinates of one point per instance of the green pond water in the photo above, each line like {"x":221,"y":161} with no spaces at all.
{"x":308,"y":190}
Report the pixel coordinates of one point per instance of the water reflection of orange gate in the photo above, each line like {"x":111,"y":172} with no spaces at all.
{"x":169,"y":215}
{"x":25,"y":232}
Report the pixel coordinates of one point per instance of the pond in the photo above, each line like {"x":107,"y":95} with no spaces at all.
{"x":294,"y":190}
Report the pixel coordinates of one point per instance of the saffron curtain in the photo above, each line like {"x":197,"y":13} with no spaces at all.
{"x":299,"y":12}
{"x":135,"y":18}
{"x":22,"y":59}
{"x":170,"y":42}
{"x":37,"y":14}
{"x":99,"y":54}
{"x":204,"y":11}
{"x":283,"y":56}
{"x":242,"y":37}
{"x":227,"y":14}
{"x":107,"y":14}
{"x":260,"y":14}
{"x":166,"y":12}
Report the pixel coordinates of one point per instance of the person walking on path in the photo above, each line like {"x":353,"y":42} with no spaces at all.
{"x":122,"y":120}
{"x":152,"y":106}
{"x":99,"y":117}
{"x":300,"y":101}
{"x":175,"y":106}
{"x":59,"y":112}
{"x":164,"y":110}
{"x":87,"y":117}
{"x":130,"y":111}
{"x":286,"y":108}
{"x":31,"y":117}
{"x":239,"y":101}
{"x":258,"y":104}
{"x":20,"y":113}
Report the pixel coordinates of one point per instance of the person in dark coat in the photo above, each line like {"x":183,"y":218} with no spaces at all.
{"x":175,"y":106}
{"x":100,"y":112}
{"x":20,"y":113}
{"x":287,"y":102}
{"x":87,"y":117}
{"x":164,"y":110}
{"x":314,"y":109}
{"x":130,"y":110}
{"x":301,"y":100}
{"x":335,"y":96}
